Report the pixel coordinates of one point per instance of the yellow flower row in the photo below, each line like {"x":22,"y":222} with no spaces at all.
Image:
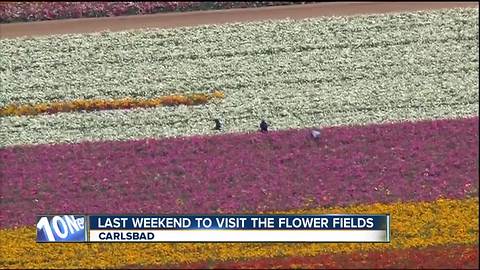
{"x":103,"y":104}
{"x":413,"y":225}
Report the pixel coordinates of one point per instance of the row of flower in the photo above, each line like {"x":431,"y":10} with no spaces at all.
{"x":422,"y":66}
{"x":39,"y":11}
{"x":245,"y":172}
{"x":246,"y":57}
{"x":238,"y":115}
{"x":416,"y":225}
{"x":358,"y":79}
{"x":115,"y":104}
{"x":437,"y":257}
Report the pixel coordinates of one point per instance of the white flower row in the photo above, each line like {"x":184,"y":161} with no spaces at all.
{"x":294,"y":106}
{"x":153,"y":63}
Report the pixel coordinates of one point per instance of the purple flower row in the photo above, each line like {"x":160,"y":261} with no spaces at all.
{"x":39,"y":11}
{"x":420,"y":161}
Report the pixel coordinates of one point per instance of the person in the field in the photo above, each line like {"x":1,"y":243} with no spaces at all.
{"x":218,"y":125}
{"x":315,"y":134}
{"x":263,"y":126}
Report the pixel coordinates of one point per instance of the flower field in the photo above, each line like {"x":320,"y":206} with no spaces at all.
{"x":396,"y":97}
{"x":299,"y":74}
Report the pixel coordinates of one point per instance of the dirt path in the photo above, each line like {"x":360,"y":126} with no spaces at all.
{"x":170,"y":20}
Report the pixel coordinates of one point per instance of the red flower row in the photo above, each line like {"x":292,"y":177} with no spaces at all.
{"x":445,"y":257}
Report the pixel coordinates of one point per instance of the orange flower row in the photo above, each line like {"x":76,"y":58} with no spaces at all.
{"x":102,"y":104}
{"x":414,"y":226}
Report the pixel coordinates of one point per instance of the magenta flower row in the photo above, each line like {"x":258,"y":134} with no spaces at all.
{"x":420,"y":161}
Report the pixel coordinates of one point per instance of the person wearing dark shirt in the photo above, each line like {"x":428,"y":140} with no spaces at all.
{"x":218,"y":125}
{"x":263,"y":126}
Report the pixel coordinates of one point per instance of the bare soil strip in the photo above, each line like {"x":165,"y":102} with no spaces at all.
{"x":170,"y":20}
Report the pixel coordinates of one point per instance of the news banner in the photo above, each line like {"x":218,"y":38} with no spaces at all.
{"x":213,"y":228}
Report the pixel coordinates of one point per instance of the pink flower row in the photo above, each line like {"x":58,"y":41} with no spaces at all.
{"x":419,"y":161}
{"x":38,"y":11}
